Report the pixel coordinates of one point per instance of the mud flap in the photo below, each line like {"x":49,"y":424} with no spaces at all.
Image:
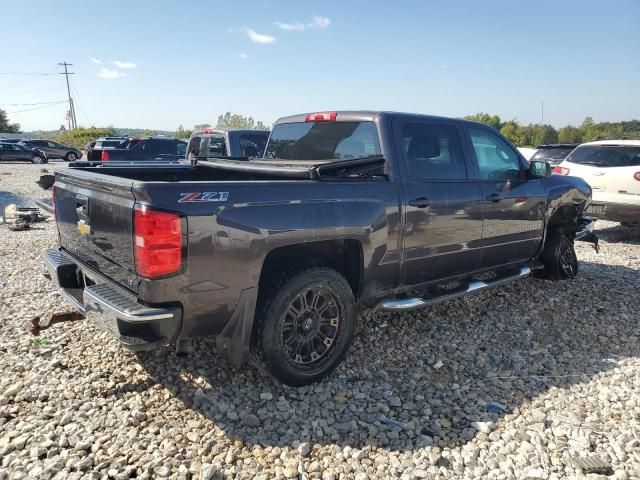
{"x":585,"y":232}
{"x":235,"y":338}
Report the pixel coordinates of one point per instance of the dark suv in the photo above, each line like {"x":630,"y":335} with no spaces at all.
{"x":554,"y":153}
{"x":16,"y":152}
{"x":54,"y":149}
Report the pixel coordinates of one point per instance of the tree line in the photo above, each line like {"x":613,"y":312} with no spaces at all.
{"x":529,"y":135}
{"x":532,"y":135}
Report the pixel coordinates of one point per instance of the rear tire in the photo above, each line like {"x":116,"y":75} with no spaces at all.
{"x":71,"y":157}
{"x":305,"y":326}
{"x":37,"y":159}
{"x":559,"y":257}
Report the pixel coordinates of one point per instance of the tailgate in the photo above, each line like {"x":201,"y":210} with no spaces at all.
{"x":94,"y":214}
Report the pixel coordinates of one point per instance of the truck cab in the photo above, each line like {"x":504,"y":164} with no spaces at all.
{"x":215,"y":143}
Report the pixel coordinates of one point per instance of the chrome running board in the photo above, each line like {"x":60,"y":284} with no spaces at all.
{"x":475,"y":286}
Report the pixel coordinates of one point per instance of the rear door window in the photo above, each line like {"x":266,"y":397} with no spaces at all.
{"x":433,"y":152}
{"x":323,"y":141}
{"x":606,"y":156}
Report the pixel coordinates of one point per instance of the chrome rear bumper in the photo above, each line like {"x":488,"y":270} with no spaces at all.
{"x":109,"y":306}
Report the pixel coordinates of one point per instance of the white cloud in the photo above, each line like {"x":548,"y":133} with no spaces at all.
{"x":120,"y":64}
{"x":243,"y":56}
{"x":319,"y":22}
{"x":95,"y":60}
{"x":290,"y":26}
{"x":258,"y":37}
{"x":110,"y":74}
{"x":316,"y":22}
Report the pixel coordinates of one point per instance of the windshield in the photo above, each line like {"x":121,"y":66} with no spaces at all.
{"x":552,"y":155}
{"x":323,"y":141}
{"x":606,"y":155}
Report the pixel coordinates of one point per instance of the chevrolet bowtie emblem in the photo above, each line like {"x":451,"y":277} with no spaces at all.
{"x":83,"y":228}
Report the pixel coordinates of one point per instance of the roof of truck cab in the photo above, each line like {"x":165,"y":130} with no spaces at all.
{"x":220,"y":131}
{"x":369,"y":115}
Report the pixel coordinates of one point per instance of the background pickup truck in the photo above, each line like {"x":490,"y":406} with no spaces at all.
{"x":275,"y":255}
{"x":145,"y":149}
{"x":210,"y":143}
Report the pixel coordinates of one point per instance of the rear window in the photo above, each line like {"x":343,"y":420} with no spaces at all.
{"x":553,"y":155}
{"x":606,"y":155}
{"x":252,"y":145}
{"x":323,"y":141}
{"x":111,"y":143}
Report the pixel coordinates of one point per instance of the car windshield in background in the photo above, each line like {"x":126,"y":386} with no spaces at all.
{"x":323,"y":141}
{"x":606,"y":155}
{"x":552,"y":155}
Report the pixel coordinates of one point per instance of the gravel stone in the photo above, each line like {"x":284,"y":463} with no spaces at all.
{"x":561,"y":357}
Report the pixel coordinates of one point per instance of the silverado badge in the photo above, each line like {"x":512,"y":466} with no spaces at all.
{"x":83,"y":228}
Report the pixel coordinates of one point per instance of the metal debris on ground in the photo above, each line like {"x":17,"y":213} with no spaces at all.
{"x":593,"y":464}
{"x":391,"y":422}
{"x":21,"y":218}
{"x":37,"y":324}
{"x":438,"y":365}
{"x":496,"y":407}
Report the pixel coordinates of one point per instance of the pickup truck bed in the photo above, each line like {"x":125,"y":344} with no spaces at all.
{"x":273,"y":256}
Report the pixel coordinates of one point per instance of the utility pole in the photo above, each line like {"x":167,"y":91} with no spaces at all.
{"x":72,"y":112}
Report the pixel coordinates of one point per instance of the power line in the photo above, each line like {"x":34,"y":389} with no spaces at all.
{"x":37,"y":103}
{"x":37,"y":108}
{"x":26,"y":73}
{"x":84,"y":111}
{"x":34,"y":90}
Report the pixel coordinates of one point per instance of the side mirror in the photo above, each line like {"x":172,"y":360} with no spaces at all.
{"x":539,"y":169}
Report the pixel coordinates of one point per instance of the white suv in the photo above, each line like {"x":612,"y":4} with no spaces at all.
{"x":612,"y":168}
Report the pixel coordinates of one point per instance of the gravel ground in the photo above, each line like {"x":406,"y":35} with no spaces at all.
{"x":412,"y":400}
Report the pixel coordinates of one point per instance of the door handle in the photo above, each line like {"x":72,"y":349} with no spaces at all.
{"x":420,"y":202}
{"x":494,"y":197}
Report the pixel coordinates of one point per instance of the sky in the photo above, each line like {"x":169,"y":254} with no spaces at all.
{"x":161,"y":64}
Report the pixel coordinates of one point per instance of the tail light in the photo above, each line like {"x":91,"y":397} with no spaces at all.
{"x":158,"y":242}
{"x":321,"y":117}
{"x":104,"y":156}
{"x":558,"y":170}
{"x":637,"y":176}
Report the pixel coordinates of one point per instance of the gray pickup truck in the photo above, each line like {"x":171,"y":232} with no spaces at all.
{"x":275,"y":255}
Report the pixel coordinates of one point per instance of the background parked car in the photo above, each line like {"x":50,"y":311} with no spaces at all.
{"x":554,"y":153}
{"x":12,"y":140}
{"x":94,"y":150}
{"x":15,"y":152}
{"x":163,"y":149}
{"x":612,"y":168}
{"x":54,"y":149}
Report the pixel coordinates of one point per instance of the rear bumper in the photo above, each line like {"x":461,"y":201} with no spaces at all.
{"x":615,"y":212}
{"x":111,"y":307}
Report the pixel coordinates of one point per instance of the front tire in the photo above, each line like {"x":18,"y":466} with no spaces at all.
{"x":559,"y":257}
{"x":71,"y":157}
{"x":37,"y":159}
{"x":305,"y":326}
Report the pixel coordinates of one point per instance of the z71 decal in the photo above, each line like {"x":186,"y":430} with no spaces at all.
{"x":196,"y":197}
